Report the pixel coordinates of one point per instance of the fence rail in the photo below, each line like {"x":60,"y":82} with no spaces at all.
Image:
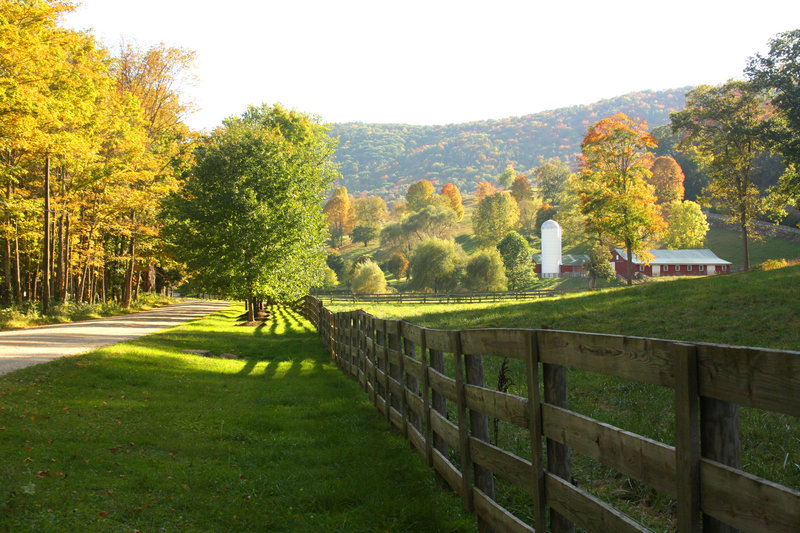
{"x":401,"y":366}
{"x":430,"y":298}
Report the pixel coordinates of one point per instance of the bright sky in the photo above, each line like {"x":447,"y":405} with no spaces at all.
{"x":440,"y":61}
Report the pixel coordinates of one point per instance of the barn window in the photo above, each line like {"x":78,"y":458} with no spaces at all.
{"x":666,"y":268}
{"x":689,"y":268}
{"x":701,"y":268}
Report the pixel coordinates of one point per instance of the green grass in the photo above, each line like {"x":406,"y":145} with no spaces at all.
{"x":752,"y":309}
{"x":728,"y":245}
{"x":30,"y":314}
{"x":139,"y":437}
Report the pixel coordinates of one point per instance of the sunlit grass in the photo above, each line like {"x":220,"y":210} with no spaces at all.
{"x":140,"y":436}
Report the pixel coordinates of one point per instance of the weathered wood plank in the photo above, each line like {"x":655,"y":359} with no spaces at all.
{"x":440,"y":339}
{"x":445,"y":429}
{"x":636,"y":358}
{"x":411,"y":332}
{"x":396,"y":418}
{"x":415,"y":403}
{"x":442,"y":384}
{"x":393,"y":356}
{"x":447,"y":470}
{"x":559,"y":463}
{"x":753,"y":377}
{"x":414,"y":368}
{"x":417,"y":440}
{"x":535,"y":432}
{"x":496,"y":404}
{"x":395,"y":388}
{"x":585,"y":510}
{"x":649,"y":461}
{"x":500,"y":520}
{"x":747,"y":502}
{"x":504,"y":464}
{"x":495,"y":342}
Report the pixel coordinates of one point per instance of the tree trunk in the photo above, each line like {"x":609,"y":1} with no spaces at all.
{"x":745,"y":251}
{"x":46,"y":259}
{"x":629,"y":274}
{"x":126,"y":289}
{"x":67,"y":252}
{"x":17,"y":272}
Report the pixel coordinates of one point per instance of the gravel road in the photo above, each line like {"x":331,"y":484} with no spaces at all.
{"x":25,"y":347}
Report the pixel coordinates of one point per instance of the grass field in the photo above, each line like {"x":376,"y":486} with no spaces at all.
{"x":140,"y":437}
{"x":728,"y":245}
{"x":752,"y":309}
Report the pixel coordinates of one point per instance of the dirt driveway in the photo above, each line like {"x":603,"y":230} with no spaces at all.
{"x":26,"y":347}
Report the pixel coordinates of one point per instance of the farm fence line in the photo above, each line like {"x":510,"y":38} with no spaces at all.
{"x":402,"y":367}
{"x":434,"y":297}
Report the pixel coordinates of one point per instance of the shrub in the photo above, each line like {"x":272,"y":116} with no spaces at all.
{"x":368,"y":278}
{"x":437,"y":265}
{"x":485,"y":272}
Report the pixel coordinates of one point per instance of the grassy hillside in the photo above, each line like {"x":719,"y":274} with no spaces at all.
{"x":385,"y":159}
{"x":753,"y":309}
{"x":728,"y":245}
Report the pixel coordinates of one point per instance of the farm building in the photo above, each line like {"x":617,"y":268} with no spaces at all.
{"x":672,"y":263}
{"x":551,"y":263}
{"x":570,"y":266}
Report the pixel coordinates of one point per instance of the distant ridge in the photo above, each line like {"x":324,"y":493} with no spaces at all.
{"x":384,"y":159}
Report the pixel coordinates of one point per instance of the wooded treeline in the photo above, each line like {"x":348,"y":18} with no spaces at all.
{"x":90,"y":142}
{"x":384,"y":159}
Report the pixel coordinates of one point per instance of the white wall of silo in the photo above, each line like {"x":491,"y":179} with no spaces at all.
{"x":551,"y":249}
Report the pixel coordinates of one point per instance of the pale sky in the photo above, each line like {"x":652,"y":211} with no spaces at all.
{"x":440,"y":61}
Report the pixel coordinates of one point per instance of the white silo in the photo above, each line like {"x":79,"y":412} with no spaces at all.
{"x":551,"y":249}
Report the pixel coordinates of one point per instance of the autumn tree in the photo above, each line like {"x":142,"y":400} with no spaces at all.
{"x":453,"y":196}
{"x":397,"y":265}
{"x":495,"y":217}
{"x":419,"y":195}
{"x":686,"y":226}
{"x":339,"y":211}
{"x":722,"y":129}
{"x":667,"y":180}
{"x":370,"y":211}
{"x":521,"y":189}
{"x":485,"y":189}
{"x":618,"y":202}
{"x":485,"y":271}
{"x":248,"y":221}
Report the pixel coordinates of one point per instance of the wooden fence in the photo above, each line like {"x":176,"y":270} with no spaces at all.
{"x":401,"y":367}
{"x":430,"y":298}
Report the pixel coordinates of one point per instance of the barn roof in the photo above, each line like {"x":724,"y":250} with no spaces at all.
{"x":566,"y":259}
{"x":680,"y":257}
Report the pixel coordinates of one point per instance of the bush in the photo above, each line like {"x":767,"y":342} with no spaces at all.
{"x":437,"y":265}
{"x":397,"y":265}
{"x":485,"y":272}
{"x":772,"y":264}
{"x":368,"y":279}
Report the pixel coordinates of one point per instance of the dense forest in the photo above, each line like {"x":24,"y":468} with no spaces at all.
{"x":384,"y":159}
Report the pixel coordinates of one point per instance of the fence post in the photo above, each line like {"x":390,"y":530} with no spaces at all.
{"x":687,"y":443}
{"x":393,"y":343}
{"x":558,"y":456}
{"x":439,"y":404}
{"x":463,"y":435}
{"x":479,"y":428}
{"x":719,"y":441}
{"x":410,"y":382}
{"x":535,"y":429}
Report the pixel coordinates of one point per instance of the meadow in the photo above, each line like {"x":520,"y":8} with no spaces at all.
{"x":141,"y":437}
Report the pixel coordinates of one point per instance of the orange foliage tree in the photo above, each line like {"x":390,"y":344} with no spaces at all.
{"x":485,"y":189}
{"x":616,"y":198}
{"x":667,"y":179}
{"x":453,"y":196}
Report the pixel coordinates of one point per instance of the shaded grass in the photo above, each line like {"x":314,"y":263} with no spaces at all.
{"x":138,"y":436}
{"x":728,"y":245}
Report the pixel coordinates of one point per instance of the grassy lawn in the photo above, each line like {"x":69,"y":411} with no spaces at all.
{"x":728,"y":245}
{"x":139,"y":437}
{"x":752,"y":309}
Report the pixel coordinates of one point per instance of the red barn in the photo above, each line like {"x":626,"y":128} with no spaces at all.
{"x":672,"y":263}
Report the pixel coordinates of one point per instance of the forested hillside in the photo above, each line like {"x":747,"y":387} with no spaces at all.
{"x":384,"y":159}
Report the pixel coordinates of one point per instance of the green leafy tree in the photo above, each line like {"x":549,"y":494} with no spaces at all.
{"x":495,"y":217}
{"x":543,"y":214}
{"x":431,"y":221}
{"x":687,"y":226}
{"x":722,"y":129}
{"x":335,"y":262}
{"x":437,"y":265}
{"x":368,"y":279}
{"x":370,"y":211}
{"x":599,"y":264}
{"x":516,"y":254}
{"x":419,"y":195}
{"x":617,"y":201}
{"x":247,"y":222}
{"x":506,"y":178}
{"x":550,"y":178}
{"x":365,"y":234}
{"x":485,"y":272}
{"x":777,"y":73}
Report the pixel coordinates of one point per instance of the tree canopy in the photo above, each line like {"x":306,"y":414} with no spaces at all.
{"x":247,"y":222}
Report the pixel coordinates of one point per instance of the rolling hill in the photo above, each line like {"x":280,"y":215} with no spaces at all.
{"x":384,"y":159}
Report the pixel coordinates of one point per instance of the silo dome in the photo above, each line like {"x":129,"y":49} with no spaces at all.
{"x":551,"y":249}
